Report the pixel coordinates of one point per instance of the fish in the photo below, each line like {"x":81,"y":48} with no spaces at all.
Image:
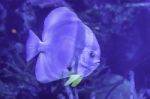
{"x":68,"y":48}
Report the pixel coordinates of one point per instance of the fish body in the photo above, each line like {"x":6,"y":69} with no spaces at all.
{"x":67,"y":47}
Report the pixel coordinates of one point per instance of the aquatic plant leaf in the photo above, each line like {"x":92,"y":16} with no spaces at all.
{"x":71,"y":79}
{"x":77,"y":81}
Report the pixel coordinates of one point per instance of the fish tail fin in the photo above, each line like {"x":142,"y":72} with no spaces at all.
{"x":32,"y":45}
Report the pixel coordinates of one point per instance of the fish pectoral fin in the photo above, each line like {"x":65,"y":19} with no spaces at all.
{"x":73,"y":78}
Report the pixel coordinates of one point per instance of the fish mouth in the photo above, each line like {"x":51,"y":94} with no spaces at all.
{"x":97,"y":62}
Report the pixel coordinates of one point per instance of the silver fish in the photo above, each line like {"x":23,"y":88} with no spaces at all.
{"x":66,"y":43}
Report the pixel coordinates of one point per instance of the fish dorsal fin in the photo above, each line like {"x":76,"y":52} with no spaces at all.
{"x":56,"y":19}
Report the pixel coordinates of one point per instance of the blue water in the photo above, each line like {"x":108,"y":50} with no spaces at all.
{"x":123,"y":32}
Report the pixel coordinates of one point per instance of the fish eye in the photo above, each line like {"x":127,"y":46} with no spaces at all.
{"x":92,"y":54}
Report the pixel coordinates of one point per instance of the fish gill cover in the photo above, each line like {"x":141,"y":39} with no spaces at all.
{"x":120,"y":27}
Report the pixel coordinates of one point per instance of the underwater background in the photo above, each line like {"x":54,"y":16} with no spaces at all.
{"x":122,"y":28}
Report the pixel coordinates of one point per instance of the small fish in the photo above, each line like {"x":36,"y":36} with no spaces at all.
{"x":68,"y":48}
